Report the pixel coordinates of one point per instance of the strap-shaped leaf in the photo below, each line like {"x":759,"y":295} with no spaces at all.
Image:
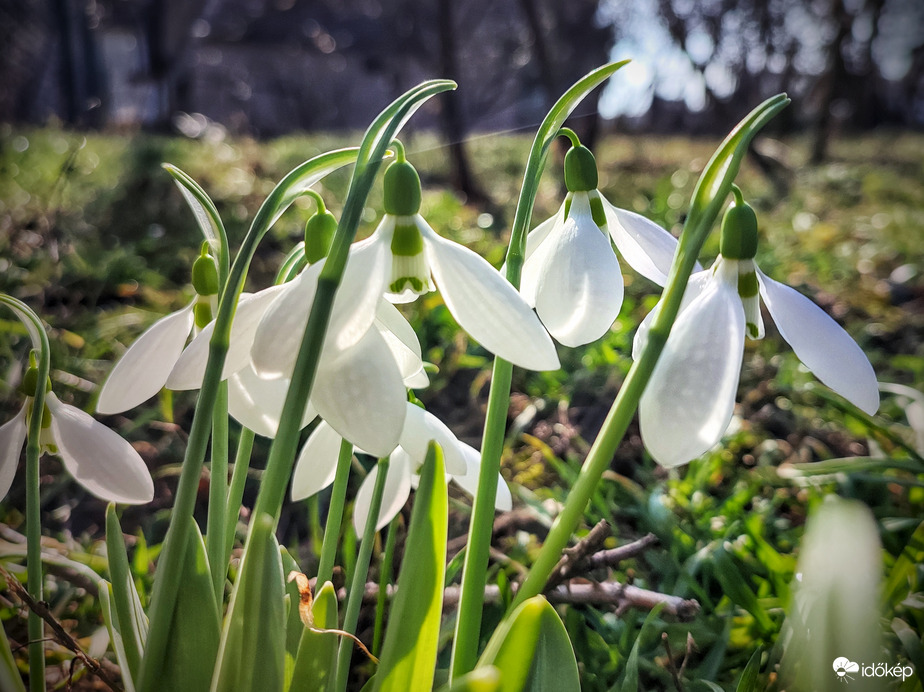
{"x":532,"y":651}
{"x":412,"y":638}
{"x":484,"y":679}
{"x":129,"y":620}
{"x":10,"y":679}
{"x":253,"y":641}
{"x":195,"y":626}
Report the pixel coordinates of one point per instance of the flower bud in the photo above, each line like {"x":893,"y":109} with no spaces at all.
{"x":580,"y":170}
{"x":739,"y":232}
{"x":205,"y":274}
{"x":402,"y":189}
{"x":319,"y":233}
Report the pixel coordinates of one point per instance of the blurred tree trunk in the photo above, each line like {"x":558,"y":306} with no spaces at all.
{"x":81,"y":71}
{"x":831,"y":82}
{"x":453,"y":126}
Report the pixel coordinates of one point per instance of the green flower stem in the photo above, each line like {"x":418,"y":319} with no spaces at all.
{"x":358,"y":584}
{"x":169,"y":565}
{"x":218,"y":493}
{"x":236,"y":489}
{"x":471,"y":601}
{"x":34,"y":578}
{"x":388,"y":559}
{"x":708,"y":197}
{"x":335,"y":514}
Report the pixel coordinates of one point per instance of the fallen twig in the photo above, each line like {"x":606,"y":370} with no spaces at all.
{"x":40,"y":608}
{"x":573,"y":559}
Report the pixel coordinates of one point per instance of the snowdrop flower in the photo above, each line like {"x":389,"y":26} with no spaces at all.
{"x":689,"y":400}
{"x":571,"y":274}
{"x":143,"y":369}
{"x":317,"y":462}
{"x":98,"y":458}
{"x":413,"y":258}
{"x":369,"y":355}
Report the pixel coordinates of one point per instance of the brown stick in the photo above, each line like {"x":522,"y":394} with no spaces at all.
{"x":40,"y":608}
{"x":572,"y":561}
{"x":612,"y":557}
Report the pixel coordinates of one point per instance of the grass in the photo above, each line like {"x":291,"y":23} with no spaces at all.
{"x":96,"y":238}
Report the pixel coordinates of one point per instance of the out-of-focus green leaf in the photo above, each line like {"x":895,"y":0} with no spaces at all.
{"x":316,"y":661}
{"x":412,"y":637}
{"x":911,"y":641}
{"x":532,"y":651}
{"x":483,"y":679}
{"x":736,"y":588}
{"x":630,"y":677}
{"x":252,"y":653}
{"x":196,"y":624}
{"x":129,"y":620}
{"x":10,"y":679}
{"x":902,"y":578}
{"x":750,"y":677}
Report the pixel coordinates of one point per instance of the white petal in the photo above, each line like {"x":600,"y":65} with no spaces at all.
{"x":98,"y":458}
{"x":12,"y":438}
{"x":691,"y":395}
{"x":280,"y":331}
{"x":257,"y":403}
{"x":695,"y":286}
{"x":821,"y":344}
{"x":535,"y":237}
{"x":143,"y":369}
{"x":316,"y":465}
{"x":403,"y":344}
{"x":648,"y":248}
{"x":538,"y":257}
{"x":190,"y":368}
{"x":469,"y":482}
{"x":360,"y":393}
{"x":359,"y":294}
{"x":395,"y":493}
{"x":579,"y":286}
{"x":420,"y":427}
{"x":486,"y":305}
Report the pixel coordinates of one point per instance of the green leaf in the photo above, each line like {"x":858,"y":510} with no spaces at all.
{"x":195,"y":626}
{"x":750,"y":677}
{"x":129,"y":621}
{"x":532,"y":651}
{"x":483,"y":679}
{"x":911,"y":641}
{"x":115,"y":634}
{"x":902,"y":578}
{"x":630,"y":677}
{"x":412,"y":638}
{"x":202,"y":206}
{"x":253,"y":641}
{"x":316,"y":661}
{"x":294,"y":625}
{"x":10,"y":679}
{"x":735,"y":586}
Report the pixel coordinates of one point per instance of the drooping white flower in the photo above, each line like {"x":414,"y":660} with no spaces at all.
{"x":143,"y":369}
{"x":415,"y":259}
{"x":98,"y":458}
{"x":360,"y":382}
{"x":690,"y":398}
{"x":317,"y":461}
{"x":571,"y":274}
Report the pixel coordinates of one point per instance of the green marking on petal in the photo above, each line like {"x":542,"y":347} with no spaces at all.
{"x":406,"y":241}
{"x":753,"y":332}
{"x":748,"y":286}
{"x":596,"y":209}
{"x":203,"y":314}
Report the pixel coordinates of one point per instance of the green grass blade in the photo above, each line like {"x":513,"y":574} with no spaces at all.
{"x":484,"y":679}
{"x":116,"y":640}
{"x":253,"y":641}
{"x":630,"y":677}
{"x":10,"y":679}
{"x":532,"y":651}
{"x":412,"y":638}
{"x":750,"y":677}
